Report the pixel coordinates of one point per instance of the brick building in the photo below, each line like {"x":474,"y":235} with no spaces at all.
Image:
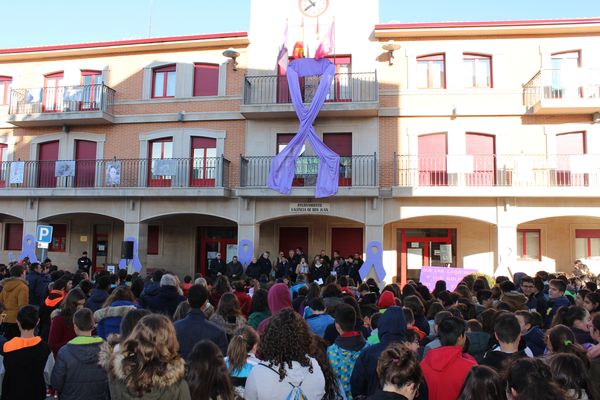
{"x":480,"y":136}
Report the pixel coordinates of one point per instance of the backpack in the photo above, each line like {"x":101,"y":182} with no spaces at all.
{"x":296,"y":393}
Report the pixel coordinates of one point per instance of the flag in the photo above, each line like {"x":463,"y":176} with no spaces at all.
{"x":282,"y":56}
{"x":326,"y":44}
{"x":298,"y":51}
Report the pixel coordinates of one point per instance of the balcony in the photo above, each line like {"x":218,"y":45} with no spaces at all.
{"x":114,"y":177}
{"x":563,"y":91}
{"x":358,"y":176}
{"x":497,"y":175}
{"x":352,"y":94}
{"x":62,"y":105}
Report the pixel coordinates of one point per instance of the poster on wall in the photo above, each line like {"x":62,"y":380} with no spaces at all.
{"x":17,"y":172}
{"x":64,"y":168}
{"x":164,"y":167}
{"x":113,"y":173}
{"x":231,"y":251}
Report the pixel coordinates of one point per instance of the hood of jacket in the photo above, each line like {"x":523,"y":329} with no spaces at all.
{"x":151,"y":288}
{"x":13,"y":284}
{"x":114,"y":310}
{"x":98,"y":296}
{"x":516,"y":299}
{"x":478,"y":341}
{"x":169,"y":292}
{"x":279,"y":298}
{"x":442,"y":358}
{"x":392,"y":325}
{"x":85,"y":348}
{"x":386,"y":300}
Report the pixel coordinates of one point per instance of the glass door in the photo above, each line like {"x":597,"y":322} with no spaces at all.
{"x":53,"y":92}
{"x":92,"y":90}
{"x":162,"y":166}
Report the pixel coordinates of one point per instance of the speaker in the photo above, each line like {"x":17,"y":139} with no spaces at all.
{"x":127,"y":250}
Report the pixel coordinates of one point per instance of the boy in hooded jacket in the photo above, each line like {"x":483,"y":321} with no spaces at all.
{"x":76,"y":373}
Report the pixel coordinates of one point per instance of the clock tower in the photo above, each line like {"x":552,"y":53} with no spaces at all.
{"x":306,"y":20}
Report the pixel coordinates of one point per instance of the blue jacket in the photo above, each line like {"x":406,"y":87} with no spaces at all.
{"x":342,"y":356}
{"x":195,"y":328}
{"x":553,"y":306}
{"x":38,"y":287}
{"x":97,"y":299}
{"x":534,"y":339}
{"x":319,"y":322}
{"x":165,"y":302}
{"x":108,"y":319}
{"x":392,"y":328}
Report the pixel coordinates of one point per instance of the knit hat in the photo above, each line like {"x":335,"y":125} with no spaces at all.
{"x":386,"y":300}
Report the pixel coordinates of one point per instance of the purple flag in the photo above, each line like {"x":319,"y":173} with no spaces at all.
{"x":283,"y":165}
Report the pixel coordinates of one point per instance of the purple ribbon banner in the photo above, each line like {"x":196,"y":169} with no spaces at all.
{"x":283,"y":166}
{"x":245,"y":252}
{"x":137,"y":265}
{"x":374,"y":259}
{"x":28,"y":248}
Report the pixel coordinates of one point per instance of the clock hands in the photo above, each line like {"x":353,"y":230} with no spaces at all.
{"x":312,"y":4}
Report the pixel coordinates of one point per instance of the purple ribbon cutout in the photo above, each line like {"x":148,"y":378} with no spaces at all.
{"x":28,"y":248}
{"x":137,"y":265}
{"x":283,"y":166}
{"x":374,"y":259}
{"x":245,"y":252}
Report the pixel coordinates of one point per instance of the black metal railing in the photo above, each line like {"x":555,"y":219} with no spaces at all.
{"x":273,"y":89}
{"x":497,"y":170}
{"x":115,"y":173}
{"x":62,"y":99}
{"x":355,"y":171}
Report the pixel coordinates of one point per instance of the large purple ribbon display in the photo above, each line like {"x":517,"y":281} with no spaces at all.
{"x":283,"y":166}
{"x":374,"y":259}
{"x":28,"y":248}
{"x":245,"y":252}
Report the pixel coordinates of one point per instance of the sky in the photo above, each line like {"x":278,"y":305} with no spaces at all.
{"x":42,"y":22}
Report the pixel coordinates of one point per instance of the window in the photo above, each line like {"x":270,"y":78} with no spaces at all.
{"x":283,"y":139}
{"x":163,"y":82}
{"x":153,"y":233}
{"x":5,"y":86}
{"x":478,"y":70}
{"x":206,"y":79}
{"x":59,"y":238}
{"x":528,"y":244}
{"x":13,"y":236}
{"x":431,"y":71}
{"x":565,"y":75}
{"x":433,"y":148}
{"x":587,"y":243}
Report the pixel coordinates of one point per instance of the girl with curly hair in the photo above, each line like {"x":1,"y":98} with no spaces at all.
{"x":148,"y":364}
{"x":286,"y":366}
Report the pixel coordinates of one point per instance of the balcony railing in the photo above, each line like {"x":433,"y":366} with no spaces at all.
{"x":565,"y":83}
{"x":355,"y":171}
{"x":497,"y":170}
{"x":132,"y":173}
{"x":273,"y":89}
{"x":62,"y":99}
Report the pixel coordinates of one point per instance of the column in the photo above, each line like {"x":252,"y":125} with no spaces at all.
{"x":374,"y":232}
{"x":506,"y":239}
{"x":30,"y":223}
{"x":136,"y":231}
{"x":248,"y":230}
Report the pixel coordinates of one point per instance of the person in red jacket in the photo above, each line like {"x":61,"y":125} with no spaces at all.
{"x":446,"y":368}
{"x":239,"y":290}
{"x":61,"y":327}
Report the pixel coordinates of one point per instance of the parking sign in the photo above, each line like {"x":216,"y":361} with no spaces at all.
{"x":44,"y":234}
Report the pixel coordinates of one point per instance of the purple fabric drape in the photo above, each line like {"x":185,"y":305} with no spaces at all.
{"x":283,"y":165}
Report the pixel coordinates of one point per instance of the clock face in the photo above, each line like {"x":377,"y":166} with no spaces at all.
{"x":313,"y":8}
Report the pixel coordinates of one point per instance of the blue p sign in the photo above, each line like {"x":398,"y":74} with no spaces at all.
{"x":44,"y":234}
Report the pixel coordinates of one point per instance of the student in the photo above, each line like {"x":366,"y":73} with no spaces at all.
{"x":410,"y":323}
{"x":591,"y":302}
{"x":186,"y":285}
{"x":560,"y":339}
{"x":241,"y":357}
{"x":316,"y":316}
{"x":260,"y":308}
{"x":207,"y":374}
{"x":446,"y":368}
{"x":76,"y":374}
{"x":286,"y":366}
{"x":578,"y":320}
{"x":14,"y":295}
{"x":478,"y":339}
{"x":109,"y":317}
{"x":154,"y":345}
{"x":399,"y":373}
{"x":229,"y":315}
{"x":483,"y":383}
{"x":435,"y":343}
{"x":532,"y":334}
{"x":571,"y":374}
{"x":507,"y":331}
{"x":531,"y":379}
{"x":345,"y":350}
{"x":52,"y":302}
{"x":61,"y":327}
{"x":27,"y":360}
{"x":374,"y":336}
{"x":99,"y":293}
{"x":594,"y":352}
{"x":556,"y":292}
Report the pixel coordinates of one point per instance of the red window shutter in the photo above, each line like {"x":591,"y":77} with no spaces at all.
{"x":13,"y":236}
{"x":203,"y":143}
{"x":341,"y":143}
{"x":153,"y":232}
{"x":587,"y":233}
{"x":206,"y":79}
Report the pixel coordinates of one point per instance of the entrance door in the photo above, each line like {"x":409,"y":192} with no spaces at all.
{"x":483,"y":149}
{"x":213,"y":240}
{"x":347,"y":241}
{"x":568,"y":147}
{"x":425,"y":247}
{"x":292,"y":238}
{"x":47,"y":156}
{"x":85,"y":169}
{"x":341,"y":143}
{"x":432,"y":160}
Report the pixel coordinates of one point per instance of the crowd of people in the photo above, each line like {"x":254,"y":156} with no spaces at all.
{"x":296,"y":331}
